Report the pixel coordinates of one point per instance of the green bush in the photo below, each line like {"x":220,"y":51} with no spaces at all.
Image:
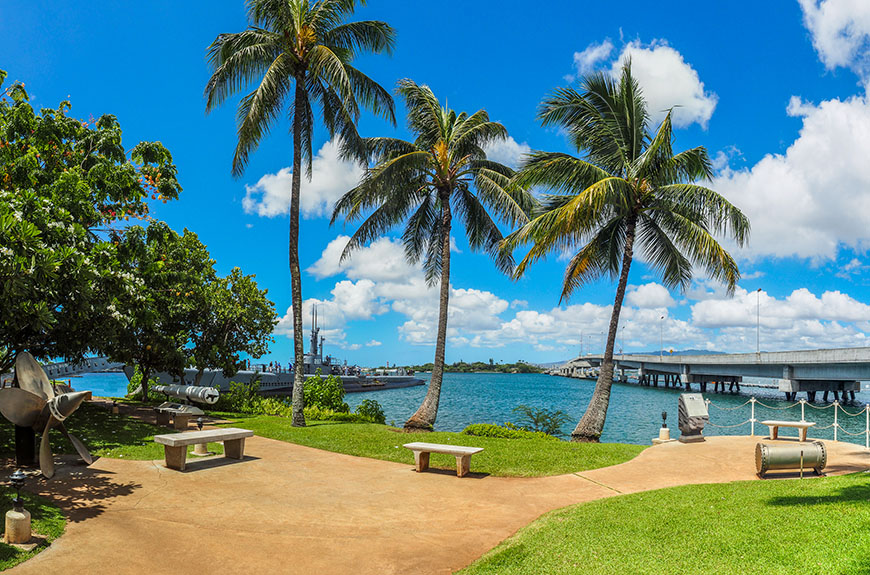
{"x":372,"y":409}
{"x":136,"y":381}
{"x":241,"y":398}
{"x":314,"y":413}
{"x":506,"y":432}
{"x":538,"y":419}
{"x":325,"y":393}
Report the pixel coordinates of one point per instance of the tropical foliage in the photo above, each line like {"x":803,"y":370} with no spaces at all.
{"x":296,"y":53}
{"x":629,"y":193}
{"x":231,"y":316}
{"x":63,"y":183}
{"x":423,"y":183}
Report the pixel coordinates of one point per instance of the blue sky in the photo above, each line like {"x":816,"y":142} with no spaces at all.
{"x":775,"y":90}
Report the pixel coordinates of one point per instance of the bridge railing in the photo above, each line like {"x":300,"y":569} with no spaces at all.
{"x":847,"y":433}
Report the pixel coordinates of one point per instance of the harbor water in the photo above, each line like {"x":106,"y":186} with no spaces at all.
{"x":634,"y":415}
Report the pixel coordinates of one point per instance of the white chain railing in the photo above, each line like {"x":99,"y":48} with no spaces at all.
{"x":836,"y":426}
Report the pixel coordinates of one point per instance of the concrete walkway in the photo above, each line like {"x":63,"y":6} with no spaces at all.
{"x":293,"y":509}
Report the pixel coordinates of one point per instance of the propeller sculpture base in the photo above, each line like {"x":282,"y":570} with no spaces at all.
{"x":25,"y":446}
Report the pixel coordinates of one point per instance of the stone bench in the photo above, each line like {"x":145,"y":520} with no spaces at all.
{"x":801,"y":425}
{"x":175,"y":444}
{"x":462,"y":454}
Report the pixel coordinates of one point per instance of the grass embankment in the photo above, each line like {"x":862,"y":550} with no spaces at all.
{"x":123,"y":437}
{"x":47,"y":521}
{"x":816,"y":526}
{"x":105,"y":434}
{"x":504,"y":457}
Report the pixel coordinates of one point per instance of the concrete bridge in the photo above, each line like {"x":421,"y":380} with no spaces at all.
{"x":837,"y":371}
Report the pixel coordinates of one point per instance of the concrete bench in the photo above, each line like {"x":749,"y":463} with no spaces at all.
{"x":175,"y":444}
{"x":801,"y":425}
{"x":462,"y":454}
{"x":180,"y":419}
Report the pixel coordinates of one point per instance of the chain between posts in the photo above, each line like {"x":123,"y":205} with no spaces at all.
{"x":803,"y":403}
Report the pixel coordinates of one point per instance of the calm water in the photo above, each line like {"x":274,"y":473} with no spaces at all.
{"x":634,"y":415}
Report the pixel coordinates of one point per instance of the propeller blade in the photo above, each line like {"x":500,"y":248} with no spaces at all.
{"x":46,"y":460}
{"x":65,"y":404}
{"x":31,"y":376}
{"x":19,"y":406}
{"x":80,"y":447}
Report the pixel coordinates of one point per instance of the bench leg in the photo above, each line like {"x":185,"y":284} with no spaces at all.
{"x":162,"y":418}
{"x":234,"y":448}
{"x":774,"y":432}
{"x":421,"y":460}
{"x":803,"y":434}
{"x":181,"y":421}
{"x":463,"y":464}
{"x":175,"y":457}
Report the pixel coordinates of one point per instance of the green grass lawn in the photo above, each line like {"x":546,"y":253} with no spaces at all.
{"x":504,"y":457}
{"x":813,"y":526}
{"x":47,"y":521}
{"x":104,"y":433}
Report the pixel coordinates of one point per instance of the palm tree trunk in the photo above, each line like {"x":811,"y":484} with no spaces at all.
{"x":424,"y":418}
{"x":298,"y":417}
{"x":592,"y":423}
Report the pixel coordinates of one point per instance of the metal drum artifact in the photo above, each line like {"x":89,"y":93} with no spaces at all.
{"x":778,"y":457}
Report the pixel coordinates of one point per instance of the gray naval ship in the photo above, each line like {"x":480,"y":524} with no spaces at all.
{"x":279,"y":381}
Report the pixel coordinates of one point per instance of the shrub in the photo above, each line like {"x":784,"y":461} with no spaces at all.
{"x":325,"y":393}
{"x":372,"y":410}
{"x":136,"y":381}
{"x":545,"y":420}
{"x":504,"y":432}
{"x":241,"y":398}
{"x":314,"y":413}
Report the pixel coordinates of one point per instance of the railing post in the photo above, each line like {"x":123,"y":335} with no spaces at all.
{"x":836,"y":425}
{"x":752,"y":417}
{"x":803,"y":407}
{"x":867,"y":426}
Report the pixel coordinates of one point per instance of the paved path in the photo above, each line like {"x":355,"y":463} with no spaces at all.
{"x":294,"y":509}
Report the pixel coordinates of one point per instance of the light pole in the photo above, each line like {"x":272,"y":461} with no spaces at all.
{"x":758,"y":321}
{"x":603,"y":344}
{"x":662,"y":338}
{"x":581,"y":343}
{"x":622,"y":340}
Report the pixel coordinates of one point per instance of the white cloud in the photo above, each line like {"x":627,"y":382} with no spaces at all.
{"x":668,"y":81}
{"x":587,"y":60}
{"x":383,"y":259}
{"x":373,"y":343}
{"x":331,"y":178}
{"x":812,"y":200}
{"x":508,"y":151}
{"x":651,"y":295}
{"x":840,"y":30}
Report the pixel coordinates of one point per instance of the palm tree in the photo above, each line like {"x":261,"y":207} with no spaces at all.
{"x":630,"y":193}
{"x":423,"y":183}
{"x":305,"y":48}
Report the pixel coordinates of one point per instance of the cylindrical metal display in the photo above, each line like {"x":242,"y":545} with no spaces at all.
{"x":777,"y":457}
{"x":196,"y":393}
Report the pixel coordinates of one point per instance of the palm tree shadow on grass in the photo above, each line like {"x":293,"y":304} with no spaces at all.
{"x":850,"y":494}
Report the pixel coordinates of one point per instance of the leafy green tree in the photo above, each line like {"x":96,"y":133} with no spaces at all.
{"x":549,"y":421}
{"x":630,"y":193}
{"x":63,"y":182}
{"x":231,"y":316}
{"x":423,"y":183}
{"x":295,"y":52}
{"x":151,"y":326}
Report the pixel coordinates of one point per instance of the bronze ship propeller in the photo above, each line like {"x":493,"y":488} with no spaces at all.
{"x":38,"y":404}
